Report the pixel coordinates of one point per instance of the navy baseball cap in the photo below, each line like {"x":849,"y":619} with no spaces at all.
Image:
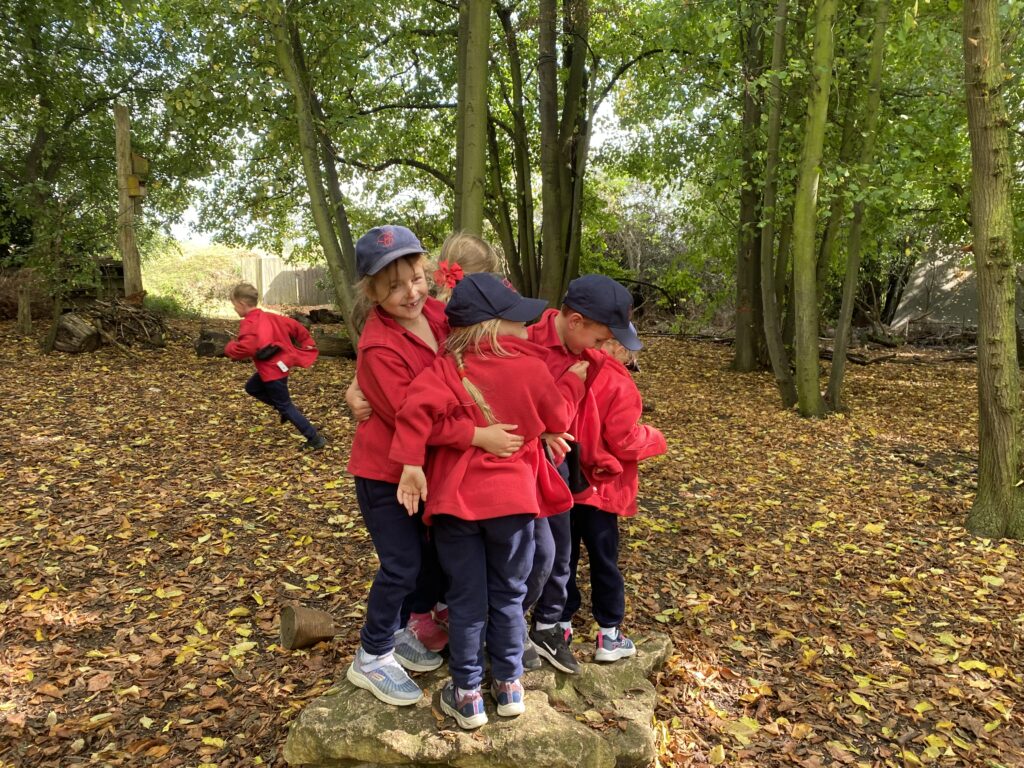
{"x":482,"y":296}
{"x":601,"y":299}
{"x":383,"y":245}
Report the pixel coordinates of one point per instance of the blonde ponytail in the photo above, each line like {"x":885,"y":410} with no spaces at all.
{"x":470,"y":337}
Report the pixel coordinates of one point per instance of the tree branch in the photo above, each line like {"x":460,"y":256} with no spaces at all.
{"x":448,"y":181}
{"x":424,"y":105}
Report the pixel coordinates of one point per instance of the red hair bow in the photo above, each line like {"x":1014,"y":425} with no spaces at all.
{"x":448,"y":274}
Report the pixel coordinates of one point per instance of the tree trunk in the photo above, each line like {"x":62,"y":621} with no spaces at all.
{"x":471,"y":142}
{"x":126,"y":205}
{"x":853,"y":248}
{"x":745,"y":353}
{"x":769,"y":296}
{"x":308,"y":146}
{"x":24,"y":324}
{"x":804,"y":216}
{"x":998,"y":508}
{"x":551,"y":210}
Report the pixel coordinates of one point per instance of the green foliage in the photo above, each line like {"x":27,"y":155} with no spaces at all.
{"x":189,"y":279}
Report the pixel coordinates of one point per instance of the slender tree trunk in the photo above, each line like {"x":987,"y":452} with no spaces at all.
{"x":769,"y":296}
{"x":525,"y":270}
{"x":745,"y":357}
{"x":125,"y":204}
{"x":308,"y":148}
{"x":552,"y":255}
{"x":804,"y":216}
{"x":853,"y":248}
{"x":998,"y":508}
{"x":471,"y":141}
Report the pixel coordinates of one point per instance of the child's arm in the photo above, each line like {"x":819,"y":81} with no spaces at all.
{"x":625,"y":438}
{"x":246,"y":344}
{"x":357,"y":402}
{"x":299,"y":335}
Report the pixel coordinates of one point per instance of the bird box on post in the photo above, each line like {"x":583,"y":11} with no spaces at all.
{"x":140,"y":165}
{"x":136,"y":187}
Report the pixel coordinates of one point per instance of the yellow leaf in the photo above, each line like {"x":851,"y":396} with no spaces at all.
{"x":801,"y":731}
{"x":970,"y":664}
{"x":989,"y":727}
{"x":146,"y":722}
{"x":288,"y":586}
{"x":214,"y":741}
{"x":39,"y":593}
{"x":240,"y":648}
{"x":248,"y":499}
{"x":132,"y":690}
{"x":204,"y":538}
{"x":201,"y":628}
{"x":239,"y":611}
{"x":873,"y":528}
{"x":994,"y":581}
{"x":258,"y":598}
{"x":717,"y":755}
{"x":859,"y":700}
{"x":923,"y":706}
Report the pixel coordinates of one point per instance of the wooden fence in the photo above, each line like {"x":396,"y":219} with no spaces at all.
{"x":282,"y":283}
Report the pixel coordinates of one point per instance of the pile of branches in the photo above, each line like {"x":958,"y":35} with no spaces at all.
{"x":118,"y":323}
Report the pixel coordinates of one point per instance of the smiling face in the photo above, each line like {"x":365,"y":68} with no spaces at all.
{"x":400,"y":289}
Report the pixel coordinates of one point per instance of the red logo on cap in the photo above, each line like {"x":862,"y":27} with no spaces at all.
{"x":386,"y":239}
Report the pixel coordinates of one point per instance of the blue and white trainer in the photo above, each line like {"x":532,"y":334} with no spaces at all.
{"x":509,"y":696}
{"x":387,"y":681}
{"x":413,"y":655}
{"x":613,"y":647}
{"x":466,"y":708}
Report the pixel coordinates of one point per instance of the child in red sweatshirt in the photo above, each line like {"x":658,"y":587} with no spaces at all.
{"x":402,"y":334}
{"x":482,"y":508}
{"x":276,"y":344}
{"x":611,"y":447}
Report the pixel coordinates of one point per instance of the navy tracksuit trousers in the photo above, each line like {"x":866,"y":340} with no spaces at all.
{"x":275,"y":394}
{"x":487,"y":562}
{"x":407,"y":558}
{"x":599,"y":532}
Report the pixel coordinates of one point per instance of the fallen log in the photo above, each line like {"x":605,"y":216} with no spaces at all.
{"x":325,"y":317}
{"x":334,"y":346}
{"x":211,"y":343}
{"x":76,"y":334}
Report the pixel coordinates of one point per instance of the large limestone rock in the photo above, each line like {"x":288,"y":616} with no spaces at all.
{"x":600,"y":718}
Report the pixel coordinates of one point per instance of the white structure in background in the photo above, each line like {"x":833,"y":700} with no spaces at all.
{"x":943,"y":291}
{"x":280,"y":282}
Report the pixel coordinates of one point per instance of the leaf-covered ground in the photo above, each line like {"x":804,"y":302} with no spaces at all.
{"x":826,"y":606}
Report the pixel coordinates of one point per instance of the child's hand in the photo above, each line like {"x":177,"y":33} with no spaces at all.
{"x":498,"y":439}
{"x":412,"y":488}
{"x":557,"y":443}
{"x":580,"y":369}
{"x":359,"y":405}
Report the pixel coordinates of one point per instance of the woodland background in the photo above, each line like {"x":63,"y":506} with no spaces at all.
{"x":769,"y":172}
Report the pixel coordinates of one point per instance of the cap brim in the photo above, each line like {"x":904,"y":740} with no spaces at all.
{"x":524,"y":310}
{"x":393,"y":256}
{"x":627,"y":337}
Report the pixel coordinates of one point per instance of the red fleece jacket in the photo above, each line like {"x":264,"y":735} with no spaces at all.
{"x":258,"y":329}
{"x":472,"y":484}
{"x":621,"y":440}
{"x":390,"y":358}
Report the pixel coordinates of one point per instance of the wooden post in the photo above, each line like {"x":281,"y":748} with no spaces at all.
{"x":126,"y":184}
{"x":24,"y":326}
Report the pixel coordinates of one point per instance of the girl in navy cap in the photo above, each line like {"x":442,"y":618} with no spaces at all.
{"x":482,"y":507}
{"x":402,"y":334}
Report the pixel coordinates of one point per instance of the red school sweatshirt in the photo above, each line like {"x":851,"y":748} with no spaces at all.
{"x":390,"y":357}
{"x":472,"y":484}
{"x":258,"y":329}
{"x":621,"y":440}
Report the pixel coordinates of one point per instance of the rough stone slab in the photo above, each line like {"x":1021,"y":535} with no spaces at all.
{"x":600,"y":718}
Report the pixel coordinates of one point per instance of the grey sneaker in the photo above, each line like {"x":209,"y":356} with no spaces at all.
{"x":467,"y":709}
{"x":389,"y":682}
{"x":530,"y":658}
{"x":613,"y":648}
{"x":412,"y":654}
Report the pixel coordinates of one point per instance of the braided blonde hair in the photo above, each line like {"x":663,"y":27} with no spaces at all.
{"x":470,"y":337}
